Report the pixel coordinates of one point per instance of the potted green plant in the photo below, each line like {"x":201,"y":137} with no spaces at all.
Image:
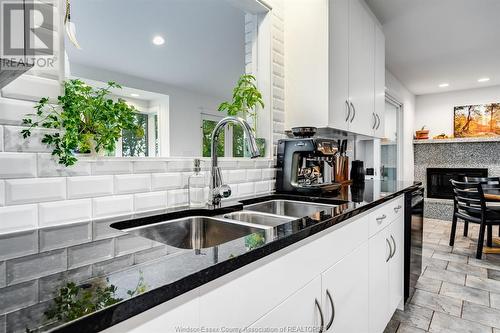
{"x":84,"y":120}
{"x":246,"y":97}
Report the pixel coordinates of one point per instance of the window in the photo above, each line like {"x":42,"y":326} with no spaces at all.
{"x":233,"y":147}
{"x":130,"y":145}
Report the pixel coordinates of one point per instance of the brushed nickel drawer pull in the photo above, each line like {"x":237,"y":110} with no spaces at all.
{"x":381,"y":218}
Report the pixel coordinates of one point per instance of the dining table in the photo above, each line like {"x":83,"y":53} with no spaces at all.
{"x":493,"y":196}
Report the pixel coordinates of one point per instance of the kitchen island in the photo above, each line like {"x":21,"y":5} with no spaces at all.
{"x":336,"y":259}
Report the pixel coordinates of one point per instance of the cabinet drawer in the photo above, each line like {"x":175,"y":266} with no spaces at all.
{"x":245,"y":299}
{"x":384,"y":215}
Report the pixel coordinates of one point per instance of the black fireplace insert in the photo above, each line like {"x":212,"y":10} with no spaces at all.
{"x":438,"y":180}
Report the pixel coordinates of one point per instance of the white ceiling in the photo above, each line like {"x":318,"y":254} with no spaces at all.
{"x":429,"y":42}
{"x":204,"y":49}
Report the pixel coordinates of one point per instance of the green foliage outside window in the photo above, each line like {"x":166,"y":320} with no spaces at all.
{"x":207,"y":129}
{"x":132,"y":144}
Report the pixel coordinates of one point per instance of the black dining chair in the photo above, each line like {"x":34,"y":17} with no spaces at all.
{"x":467,"y":207}
{"x":489,"y":180}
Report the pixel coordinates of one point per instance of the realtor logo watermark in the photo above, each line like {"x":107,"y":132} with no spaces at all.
{"x":27,"y":34}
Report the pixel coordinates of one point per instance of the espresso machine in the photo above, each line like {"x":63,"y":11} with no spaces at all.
{"x":305,"y":164}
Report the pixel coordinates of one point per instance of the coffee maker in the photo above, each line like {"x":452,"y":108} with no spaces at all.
{"x":305,"y":164}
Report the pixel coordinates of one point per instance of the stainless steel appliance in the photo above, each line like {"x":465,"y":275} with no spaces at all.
{"x":414,"y":227}
{"x":306,"y":164}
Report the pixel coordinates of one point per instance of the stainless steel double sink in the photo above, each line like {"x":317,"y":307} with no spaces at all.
{"x":199,"y":232}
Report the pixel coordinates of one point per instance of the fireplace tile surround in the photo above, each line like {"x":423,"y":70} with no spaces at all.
{"x":453,"y":153}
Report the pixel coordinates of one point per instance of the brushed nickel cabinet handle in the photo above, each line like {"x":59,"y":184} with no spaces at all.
{"x":381,"y":218}
{"x":375,"y":123}
{"x":322,"y":319}
{"x":348,"y":111}
{"x":333,"y":310}
{"x":396,"y":209}
{"x":394,"y":242}
{"x":353,"y":112}
{"x":378,"y":118}
{"x":390,"y":250}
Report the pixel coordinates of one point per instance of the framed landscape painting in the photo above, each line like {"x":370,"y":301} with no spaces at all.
{"x":477,"y":120}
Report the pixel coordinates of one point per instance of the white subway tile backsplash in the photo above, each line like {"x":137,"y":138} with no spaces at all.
{"x":236,"y":176}
{"x":261,"y":187}
{"x":85,"y":254}
{"x":132,"y":183}
{"x":246,"y":164}
{"x":254,"y":174}
{"x":2,"y":193}
{"x":48,"y":166}
{"x":112,"y":206}
{"x":262,"y":163}
{"x":149,"y":166}
{"x":111,"y":167}
{"x":180,"y":165}
{"x":150,"y":201}
{"x":166,"y":181}
{"x":14,"y":142}
{"x":268,"y":174}
{"x":177,"y":197}
{"x":246,"y":189}
{"x":64,"y":212}
{"x":17,"y":218}
{"x":1,"y":138}
{"x":87,"y":187}
{"x":17,"y":165}
{"x":12,"y":111}
{"x":20,"y":191}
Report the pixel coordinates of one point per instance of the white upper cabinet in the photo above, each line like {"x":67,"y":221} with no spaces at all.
{"x":361,"y":68}
{"x":335,"y":65}
{"x":379,"y":114}
{"x":338,"y":57}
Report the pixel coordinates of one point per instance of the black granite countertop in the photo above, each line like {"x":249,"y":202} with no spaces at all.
{"x":117,"y":276}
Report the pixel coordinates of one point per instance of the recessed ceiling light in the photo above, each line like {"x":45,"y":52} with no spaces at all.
{"x":444,"y":85}
{"x":158,"y":40}
{"x":483,"y":79}
{"x":134,"y":95}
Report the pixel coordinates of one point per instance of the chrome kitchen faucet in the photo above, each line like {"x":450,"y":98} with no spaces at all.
{"x":218,"y":189}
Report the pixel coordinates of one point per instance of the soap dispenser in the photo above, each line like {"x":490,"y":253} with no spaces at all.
{"x":197,"y":186}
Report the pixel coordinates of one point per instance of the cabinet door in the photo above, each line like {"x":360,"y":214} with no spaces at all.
{"x":347,"y":285}
{"x":339,"y":64}
{"x":379,"y":281}
{"x":298,"y":312}
{"x":361,"y":68}
{"x":379,"y":81}
{"x":167,"y":317}
{"x":396,"y":264}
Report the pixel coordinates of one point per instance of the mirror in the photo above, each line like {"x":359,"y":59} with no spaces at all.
{"x":177,"y":61}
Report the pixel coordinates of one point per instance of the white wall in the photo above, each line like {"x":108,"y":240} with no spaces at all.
{"x":396,"y":89}
{"x":435,"y":111}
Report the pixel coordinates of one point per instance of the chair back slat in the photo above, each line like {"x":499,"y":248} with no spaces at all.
{"x":466,"y":198}
{"x":489,"y":180}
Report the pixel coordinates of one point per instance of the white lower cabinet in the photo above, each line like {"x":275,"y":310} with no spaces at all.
{"x":386,"y":273}
{"x":174,"y":316}
{"x":298,"y":313}
{"x":345,"y":293}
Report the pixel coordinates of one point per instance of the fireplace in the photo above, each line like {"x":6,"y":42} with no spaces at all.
{"x":438,"y":180}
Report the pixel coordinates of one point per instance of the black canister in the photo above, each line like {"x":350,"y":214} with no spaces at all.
{"x":357,"y":171}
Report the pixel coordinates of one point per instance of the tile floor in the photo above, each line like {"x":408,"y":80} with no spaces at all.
{"x":456,"y":292}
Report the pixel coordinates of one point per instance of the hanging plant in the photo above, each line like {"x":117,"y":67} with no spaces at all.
{"x":84,"y":120}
